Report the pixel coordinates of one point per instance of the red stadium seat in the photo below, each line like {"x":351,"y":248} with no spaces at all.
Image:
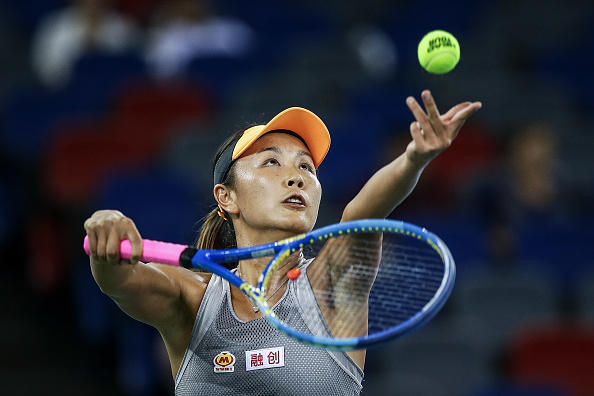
{"x":167,"y":104}
{"x":560,"y":356}
{"x":144,"y":117}
{"x":82,"y":156}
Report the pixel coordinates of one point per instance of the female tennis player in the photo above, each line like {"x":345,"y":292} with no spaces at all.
{"x":266,"y":189}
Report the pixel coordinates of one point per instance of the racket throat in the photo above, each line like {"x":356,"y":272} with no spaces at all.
{"x":255,"y":308}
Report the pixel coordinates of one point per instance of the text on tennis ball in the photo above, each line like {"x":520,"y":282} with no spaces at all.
{"x":439,"y":42}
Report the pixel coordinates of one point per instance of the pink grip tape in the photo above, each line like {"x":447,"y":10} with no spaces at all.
{"x":152,"y":251}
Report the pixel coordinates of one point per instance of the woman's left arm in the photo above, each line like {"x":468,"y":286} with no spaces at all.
{"x":431,"y":134}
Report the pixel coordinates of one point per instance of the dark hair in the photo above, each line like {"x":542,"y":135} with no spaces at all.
{"x":215,"y":232}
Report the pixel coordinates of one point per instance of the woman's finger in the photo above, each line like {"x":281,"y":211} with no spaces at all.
{"x":431,"y":107}
{"x":92,"y":237}
{"x":135,"y":243}
{"x":112,"y":247}
{"x":465,"y":113}
{"x":419,"y":114}
{"x":451,"y":113}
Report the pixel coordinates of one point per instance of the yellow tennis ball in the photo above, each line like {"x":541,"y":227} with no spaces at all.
{"x":439,"y":52}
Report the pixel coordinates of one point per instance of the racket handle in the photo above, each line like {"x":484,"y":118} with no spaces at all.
{"x":152,"y":251}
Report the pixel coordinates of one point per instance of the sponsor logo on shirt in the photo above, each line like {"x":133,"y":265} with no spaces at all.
{"x":224,"y":362}
{"x":265,"y":358}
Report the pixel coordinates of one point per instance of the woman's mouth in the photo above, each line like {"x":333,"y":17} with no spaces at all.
{"x":295,"y":200}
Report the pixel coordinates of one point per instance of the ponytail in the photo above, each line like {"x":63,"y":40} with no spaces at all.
{"x":216,"y":233}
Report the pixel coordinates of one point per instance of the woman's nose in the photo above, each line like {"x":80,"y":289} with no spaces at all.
{"x":295,"y":181}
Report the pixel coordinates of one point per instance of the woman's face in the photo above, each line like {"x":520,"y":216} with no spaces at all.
{"x":276,"y":187}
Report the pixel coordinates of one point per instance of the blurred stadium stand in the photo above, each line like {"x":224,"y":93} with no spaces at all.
{"x":116,"y":136}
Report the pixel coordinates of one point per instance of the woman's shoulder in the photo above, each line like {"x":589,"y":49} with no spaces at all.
{"x":192,"y":283}
{"x":177,"y":271}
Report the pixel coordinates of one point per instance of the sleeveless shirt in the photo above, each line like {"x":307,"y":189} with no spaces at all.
{"x":219,"y":335}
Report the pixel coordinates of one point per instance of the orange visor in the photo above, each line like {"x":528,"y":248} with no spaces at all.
{"x":302,"y":122}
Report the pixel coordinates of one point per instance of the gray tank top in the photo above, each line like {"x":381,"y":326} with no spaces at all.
{"x":228,"y":356}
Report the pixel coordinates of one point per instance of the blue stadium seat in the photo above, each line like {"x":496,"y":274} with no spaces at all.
{"x":161,"y":203}
{"x":101,"y":74}
{"x":559,"y":248}
{"x":32,"y":115}
{"x":220,"y":75}
{"x":280,"y":26}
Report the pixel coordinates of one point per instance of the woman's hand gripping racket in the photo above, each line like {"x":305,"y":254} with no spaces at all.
{"x":356,"y":284}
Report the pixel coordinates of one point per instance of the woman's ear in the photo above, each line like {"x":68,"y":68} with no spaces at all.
{"x":225,"y":198}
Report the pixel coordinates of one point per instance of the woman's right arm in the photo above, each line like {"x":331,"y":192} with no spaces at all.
{"x":163,"y":296}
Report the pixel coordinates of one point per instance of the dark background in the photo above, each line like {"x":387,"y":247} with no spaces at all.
{"x":512,"y":196}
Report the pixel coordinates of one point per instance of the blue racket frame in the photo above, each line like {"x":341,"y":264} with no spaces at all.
{"x":206,"y":260}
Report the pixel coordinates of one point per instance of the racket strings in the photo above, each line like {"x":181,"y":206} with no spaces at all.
{"x":410,"y":275}
{"x":365,"y":284}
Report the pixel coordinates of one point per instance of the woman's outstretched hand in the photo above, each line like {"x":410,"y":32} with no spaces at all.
{"x":432,"y":132}
{"x":106,"y":229}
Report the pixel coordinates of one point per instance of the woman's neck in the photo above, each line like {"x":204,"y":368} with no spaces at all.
{"x":250,"y":270}
{"x":248,"y":237}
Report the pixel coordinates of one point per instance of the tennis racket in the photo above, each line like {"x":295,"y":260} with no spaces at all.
{"x":356,"y":284}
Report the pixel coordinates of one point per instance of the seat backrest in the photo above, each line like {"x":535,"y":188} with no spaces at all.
{"x":561,"y":355}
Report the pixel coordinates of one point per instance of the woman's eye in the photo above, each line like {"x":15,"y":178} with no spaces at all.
{"x":307,"y":167}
